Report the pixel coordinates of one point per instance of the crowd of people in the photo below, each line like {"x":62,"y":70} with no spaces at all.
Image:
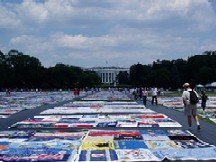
{"x":143,"y":93}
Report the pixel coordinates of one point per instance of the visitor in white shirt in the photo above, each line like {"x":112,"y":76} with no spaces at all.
{"x":154,"y":96}
{"x":189,"y":108}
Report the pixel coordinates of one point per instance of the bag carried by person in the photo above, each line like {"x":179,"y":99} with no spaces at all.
{"x":193,"y":98}
{"x":205,"y":97}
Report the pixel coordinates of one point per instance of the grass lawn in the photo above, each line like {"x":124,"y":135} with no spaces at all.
{"x":173,"y":94}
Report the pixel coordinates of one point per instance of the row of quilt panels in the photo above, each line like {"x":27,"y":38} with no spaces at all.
{"x":19,"y":101}
{"x":98,"y":107}
{"x":176,"y":102}
{"x":99,"y":103}
{"x":144,"y":145}
{"x":38,"y":146}
{"x":109,"y":145}
{"x":108,"y":96}
{"x":104,"y":109}
{"x":97,"y":120}
{"x":209,"y":113}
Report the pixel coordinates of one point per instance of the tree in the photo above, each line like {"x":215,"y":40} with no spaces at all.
{"x":207,"y":75}
{"x":174,"y":79}
{"x":123,"y":78}
{"x":18,"y":70}
{"x":164,"y":73}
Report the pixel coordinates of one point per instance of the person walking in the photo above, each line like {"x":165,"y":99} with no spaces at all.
{"x":144,"y":95}
{"x":140,"y":93}
{"x":75,"y":92}
{"x":135,"y":94}
{"x":154,"y":96}
{"x":204,"y":99}
{"x":190,"y":100}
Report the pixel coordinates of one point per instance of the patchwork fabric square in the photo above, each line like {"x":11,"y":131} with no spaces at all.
{"x":127,"y":124}
{"x":148,"y":124}
{"x":152,"y":116}
{"x":183,"y":138}
{"x":178,"y":132}
{"x":154,"y":133}
{"x":96,"y":138}
{"x":187,"y":154}
{"x":136,"y":155}
{"x":128,"y":136}
{"x":192,"y":144}
{"x":39,"y":158}
{"x":97,"y":145}
{"x":148,"y":137}
{"x":98,"y":155}
{"x":130,"y":144}
{"x":107,"y":124}
{"x":161,"y":144}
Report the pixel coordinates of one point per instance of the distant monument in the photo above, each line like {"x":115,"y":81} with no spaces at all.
{"x":108,"y":75}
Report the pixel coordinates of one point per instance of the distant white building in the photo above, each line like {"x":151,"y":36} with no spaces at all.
{"x":109,"y":74}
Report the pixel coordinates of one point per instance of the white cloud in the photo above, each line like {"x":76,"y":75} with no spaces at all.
{"x":32,"y":44}
{"x":123,"y":30}
{"x":34,"y":11}
{"x":67,"y":11}
{"x":82,"y":42}
{"x":123,"y":44}
{"x":8,"y":19}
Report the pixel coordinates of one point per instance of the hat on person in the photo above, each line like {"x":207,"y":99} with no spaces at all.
{"x":186,"y":85}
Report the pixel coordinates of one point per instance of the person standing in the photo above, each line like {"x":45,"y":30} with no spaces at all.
{"x":144,"y":95}
{"x":78,"y":92}
{"x":134,"y":94}
{"x":190,"y":100}
{"x":75,"y":92}
{"x":140,"y":93}
{"x":154,"y":96}
{"x":204,"y":99}
{"x":8,"y":92}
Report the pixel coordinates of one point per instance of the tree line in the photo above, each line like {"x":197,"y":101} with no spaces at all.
{"x":21,"y":71}
{"x":198,"y":69}
{"x":18,"y":70}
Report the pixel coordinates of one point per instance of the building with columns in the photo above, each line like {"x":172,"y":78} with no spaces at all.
{"x":108,"y":75}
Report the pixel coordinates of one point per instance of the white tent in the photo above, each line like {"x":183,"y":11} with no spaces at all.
{"x":213,"y":84}
{"x":199,"y":86}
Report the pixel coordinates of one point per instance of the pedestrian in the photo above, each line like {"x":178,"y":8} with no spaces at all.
{"x":75,"y":92}
{"x":135,"y":94}
{"x":144,"y":95}
{"x":8,"y":92}
{"x":190,"y":100}
{"x":140,"y":93}
{"x":159,"y":92}
{"x":154,"y":96}
{"x":78,"y":92}
{"x":204,"y":99}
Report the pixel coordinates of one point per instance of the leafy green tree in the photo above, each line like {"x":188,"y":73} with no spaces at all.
{"x":18,"y":70}
{"x":164,"y":73}
{"x":123,"y":78}
{"x":140,"y":75}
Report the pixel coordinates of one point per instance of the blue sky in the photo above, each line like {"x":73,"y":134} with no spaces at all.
{"x":88,"y":33}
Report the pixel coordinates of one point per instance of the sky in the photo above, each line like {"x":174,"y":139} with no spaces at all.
{"x":89,"y":33}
